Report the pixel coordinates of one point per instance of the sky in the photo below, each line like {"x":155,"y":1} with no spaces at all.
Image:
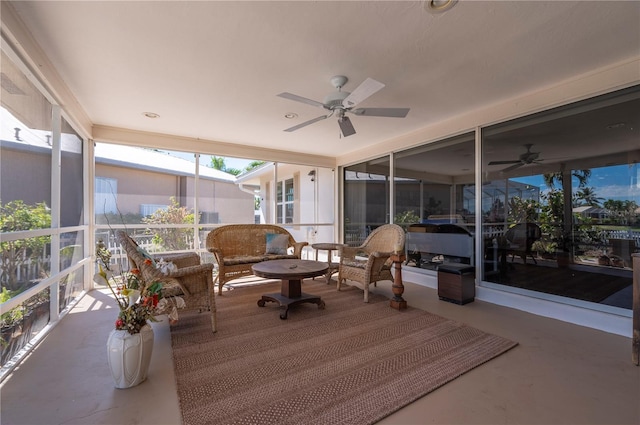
{"x":229,"y":162}
{"x":617,"y":182}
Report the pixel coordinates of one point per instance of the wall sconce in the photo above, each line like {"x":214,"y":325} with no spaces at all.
{"x":312,"y":174}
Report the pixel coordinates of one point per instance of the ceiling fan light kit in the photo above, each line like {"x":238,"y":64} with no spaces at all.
{"x":342,"y":102}
{"x":346,"y":127}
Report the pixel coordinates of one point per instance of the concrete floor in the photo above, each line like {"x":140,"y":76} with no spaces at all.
{"x":558,"y":374}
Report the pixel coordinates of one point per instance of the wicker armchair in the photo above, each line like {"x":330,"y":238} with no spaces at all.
{"x":191,"y":280}
{"x":377,"y":249}
{"x":521,"y":238}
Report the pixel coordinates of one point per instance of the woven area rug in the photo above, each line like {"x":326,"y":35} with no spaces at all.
{"x":351,"y":363}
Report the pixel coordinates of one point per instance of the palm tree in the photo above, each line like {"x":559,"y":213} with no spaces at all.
{"x":252,"y":165}
{"x":550,"y":179}
{"x":588,"y":197}
{"x":217,"y":162}
{"x":624,"y":211}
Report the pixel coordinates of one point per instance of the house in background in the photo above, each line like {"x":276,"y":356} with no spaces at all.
{"x":128,"y":180}
{"x":137,"y":181}
{"x":300,"y":198}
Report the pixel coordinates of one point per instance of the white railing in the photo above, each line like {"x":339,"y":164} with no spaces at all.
{"x":623,"y":234}
{"x":34,"y":269}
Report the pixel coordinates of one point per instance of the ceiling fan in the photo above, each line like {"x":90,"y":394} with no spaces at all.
{"x":342,"y":102}
{"x":525,"y":159}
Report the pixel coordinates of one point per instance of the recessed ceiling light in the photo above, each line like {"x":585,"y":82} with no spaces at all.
{"x":290,"y":115}
{"x":439,"y":6}
{"x":151,"y":115}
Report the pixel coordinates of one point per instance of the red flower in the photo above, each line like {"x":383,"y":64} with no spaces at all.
{"x":119,"y":323}
{"x":136,"y":271}
{"x":148,"y":262}
{"x":151,"y":301}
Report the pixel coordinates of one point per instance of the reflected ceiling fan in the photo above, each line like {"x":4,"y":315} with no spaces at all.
{"x":525,"y":159}
{"x":342,"y":102}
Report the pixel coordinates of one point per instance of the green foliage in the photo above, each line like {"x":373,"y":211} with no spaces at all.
{"x":544,"y":246}
{"x":406,"y":217}
{"x":587,"y":196}
{"x":582,"y":176}
{"x":171,"y":238}
{"x":523,"y":210}
{"x":218,"y":163}
{"x":621,"y":212}
{"x":551,"y":219}
{"x":252,"y":165}
{"x":12,"y":316}
{"x":17,"y":216}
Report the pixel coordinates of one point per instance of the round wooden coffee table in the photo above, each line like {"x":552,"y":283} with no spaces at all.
{"x":290,"y":272}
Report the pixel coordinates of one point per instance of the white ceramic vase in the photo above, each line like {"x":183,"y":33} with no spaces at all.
{"x":129,"y":356}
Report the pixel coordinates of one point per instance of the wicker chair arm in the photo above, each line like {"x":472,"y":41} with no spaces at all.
{"x":180,"y":260}
{"x":379,"y":254}
{"x":173,"y":281}
{"x":183,"y":277}
{"x":214,"y":250}
{"x":187,"y":271}
{"x":217,"y":253}
{"x":375,"y":262}
{"x":297,"y":248}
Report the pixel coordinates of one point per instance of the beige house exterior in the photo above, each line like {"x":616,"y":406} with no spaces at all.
{"x":147,"y":179}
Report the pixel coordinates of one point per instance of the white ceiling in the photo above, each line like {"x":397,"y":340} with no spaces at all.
{"x":212,"y":69}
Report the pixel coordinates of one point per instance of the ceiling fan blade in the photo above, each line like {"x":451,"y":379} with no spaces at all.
{"x":382,"y":112}
{"x":513,"y":167}
{"x":363,"y":91}
{"x":306,"y":123}
{"x":297,"y":98}
{"x":515,"y":161}
{"x":346,"y":127}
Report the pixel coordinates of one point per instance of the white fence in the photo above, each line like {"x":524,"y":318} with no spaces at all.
{"x":624,"y":234}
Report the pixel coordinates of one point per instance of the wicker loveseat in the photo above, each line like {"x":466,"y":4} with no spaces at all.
{"x":190,"y":279}
{"x":237,"y":247}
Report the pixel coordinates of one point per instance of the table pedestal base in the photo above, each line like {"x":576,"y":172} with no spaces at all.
{"x":290,"y":294}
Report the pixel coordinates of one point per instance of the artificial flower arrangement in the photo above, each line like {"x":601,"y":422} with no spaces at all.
{"x":139,"y":303}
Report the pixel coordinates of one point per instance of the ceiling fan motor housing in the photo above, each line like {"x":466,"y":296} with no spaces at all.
{"x":334,"y":100}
